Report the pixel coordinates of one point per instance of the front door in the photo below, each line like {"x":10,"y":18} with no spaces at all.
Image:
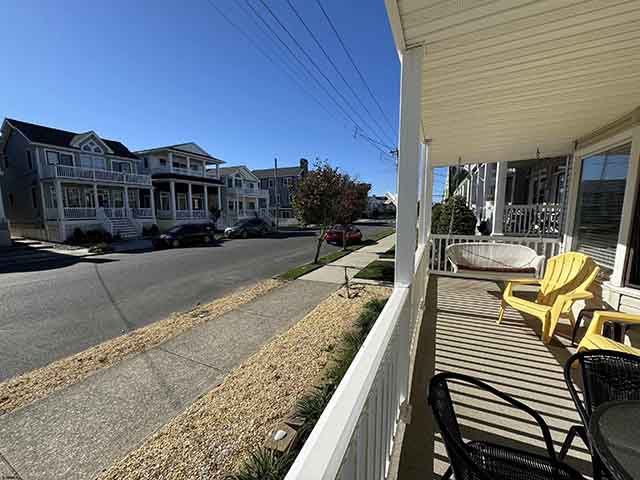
{"x":117,"y":196}
{"x":103,"y":199}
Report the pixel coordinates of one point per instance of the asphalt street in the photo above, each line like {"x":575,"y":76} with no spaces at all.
{"x":55,"y":307}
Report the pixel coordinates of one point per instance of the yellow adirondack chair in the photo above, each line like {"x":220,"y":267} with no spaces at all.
{"x":594,"y":340}
{"x":566,"y":280}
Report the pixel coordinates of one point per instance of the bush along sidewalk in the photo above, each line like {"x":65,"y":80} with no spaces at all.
{"x":273,"y":460}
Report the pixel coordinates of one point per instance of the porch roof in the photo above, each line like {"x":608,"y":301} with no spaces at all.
{"x":504,"y":78}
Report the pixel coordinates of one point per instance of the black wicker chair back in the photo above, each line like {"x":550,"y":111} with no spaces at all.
{"x":478,"y":460}
{"x":606,"y":376}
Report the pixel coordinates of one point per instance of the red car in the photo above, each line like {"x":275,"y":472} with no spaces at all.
{"x":335,"y":234}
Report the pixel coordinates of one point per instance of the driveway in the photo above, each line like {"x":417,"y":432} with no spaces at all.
{"x":55,"y":309}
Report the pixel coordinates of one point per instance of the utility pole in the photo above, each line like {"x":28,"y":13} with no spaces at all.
{"x":277,"y":194}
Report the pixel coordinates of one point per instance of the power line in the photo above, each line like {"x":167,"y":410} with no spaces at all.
{"x":269,"y":57}
{"x":310,"y":59}
{"x":364,"y":81}
{"x":335,"y":67}
{"x":292,"y":77}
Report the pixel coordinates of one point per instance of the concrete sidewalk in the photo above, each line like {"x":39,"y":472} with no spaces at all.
{"x":351,"y":264}
{"x":79,"y":431}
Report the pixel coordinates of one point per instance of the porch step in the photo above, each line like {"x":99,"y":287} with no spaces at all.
{"x":124,"y":227}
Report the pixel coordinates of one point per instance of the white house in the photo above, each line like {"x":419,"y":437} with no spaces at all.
{"x":186,"y":183}
{"x":243,"y":197}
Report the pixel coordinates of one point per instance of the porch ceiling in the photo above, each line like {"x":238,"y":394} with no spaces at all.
{"x":502,"y":78}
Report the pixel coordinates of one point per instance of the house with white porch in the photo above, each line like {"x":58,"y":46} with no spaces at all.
{"x":56,"y":181}
{"x":491,"y":83}
{"x":242,"y":196}
{"x":534,"y":200}
{"x":186,"y":183}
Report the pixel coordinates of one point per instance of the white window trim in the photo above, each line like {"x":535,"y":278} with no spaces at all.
{"x":631,"y":135}
{"x":113,"y":162}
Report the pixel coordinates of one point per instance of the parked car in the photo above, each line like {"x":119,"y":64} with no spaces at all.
{"x":335,"y":234}
{"x":182,"y":235}
{"x":248,"y":227}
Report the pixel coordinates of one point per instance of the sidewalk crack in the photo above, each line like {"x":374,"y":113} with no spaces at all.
{"x":191,"y":359}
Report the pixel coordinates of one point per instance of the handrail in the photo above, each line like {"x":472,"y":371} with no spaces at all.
{"x":338,"y":422}
{"x":96,"y":174}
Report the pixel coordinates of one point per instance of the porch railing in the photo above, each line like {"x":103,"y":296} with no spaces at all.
{"x":438,"y":262}
{"x":545,"y":220}
{"x":81,"y":173}
{"x":200,"y":214}
{"x":356,"y":433}
{"x":141,"y":213}
{"x":115,"y":212}
{"x":164,"y":214}
{"x":181,"y":214}
{"x":79,"y":212}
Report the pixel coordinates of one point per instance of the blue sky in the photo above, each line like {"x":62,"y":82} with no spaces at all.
{"x":152,"y":73}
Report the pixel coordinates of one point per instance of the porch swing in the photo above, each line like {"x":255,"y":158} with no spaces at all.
{"x":495,"y":260}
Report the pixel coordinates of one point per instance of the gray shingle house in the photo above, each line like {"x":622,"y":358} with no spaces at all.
{"x":281,"y":188}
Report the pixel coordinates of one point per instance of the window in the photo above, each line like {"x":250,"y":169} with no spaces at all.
{"x":271,"y":183}
{"x":12,"y":200}
{"x":197,"y":202}
{"x":238,"y":182}
{"x":29,"y":159}
{"x":52,"y":158}
{"x":145,"y":161}
{"x":88,"y":198}
{"x":230,"y":182}
{"x":34,"y":198}
{"x":633,"y":261}
{"x":119,"y":166}
{"x":230,"y":205}
{"x":164,"y":201}
{"x":72,"y":195}
{"x":600,"y":198}
{"x":182,"y":201}
{"x":86,"y":161}
{"x":99,"y":163}
{"x":133,"y":198}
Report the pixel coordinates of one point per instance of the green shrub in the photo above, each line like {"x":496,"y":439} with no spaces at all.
{"x":78,"y":236}
{"x":310,"y":407}
{"x":264,"y":464}
{"x":464,"y":221}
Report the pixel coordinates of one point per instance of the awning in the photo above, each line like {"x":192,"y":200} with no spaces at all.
{"x":504,"y":78}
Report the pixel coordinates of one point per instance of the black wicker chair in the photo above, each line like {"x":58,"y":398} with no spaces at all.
{"x":478,"y":460}
{"x":606,"y":376}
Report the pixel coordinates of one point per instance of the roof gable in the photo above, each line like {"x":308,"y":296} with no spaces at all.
{"x":241,"y":170}
{"x":90,"y":142}
{"x":191,"y":147}
{"x":62,"y":138}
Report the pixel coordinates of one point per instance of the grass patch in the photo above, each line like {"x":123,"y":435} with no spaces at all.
{"x":301,"y":270}
{"x":378,"y":270}
{"x":263,"y":464}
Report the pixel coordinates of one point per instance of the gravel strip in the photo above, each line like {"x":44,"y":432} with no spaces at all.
{"x":20,"y":391}
{"x":213,"y":436}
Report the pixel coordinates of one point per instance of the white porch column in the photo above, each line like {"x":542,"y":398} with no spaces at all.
{"x":190,"y":200}
{"x":408,"y":165}
{"x":95,"y":195}
{"x":630,"y":195}
{"x":188,"y":163}
{"x":206,"y":200}
{"x":219,"y":196}
{"x":126,"y":201}
{"x":172,"y":199}
{"x":152,"y":204}
{"x":502,"y":169}
{"x":170,"y":161}
{"x":59,"y":200}
{"x":572,"y":202}
{"x":426,"y":198}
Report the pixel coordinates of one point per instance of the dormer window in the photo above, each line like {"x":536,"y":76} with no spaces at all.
{"x":91,"y":146}
{"x":86,"y":148}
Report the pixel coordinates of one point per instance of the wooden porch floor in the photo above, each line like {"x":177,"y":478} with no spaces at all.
{"x":509,"y":356}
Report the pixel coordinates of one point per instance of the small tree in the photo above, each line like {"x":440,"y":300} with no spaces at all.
{"x":325,"y":197}
{"x":464,"y":221}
